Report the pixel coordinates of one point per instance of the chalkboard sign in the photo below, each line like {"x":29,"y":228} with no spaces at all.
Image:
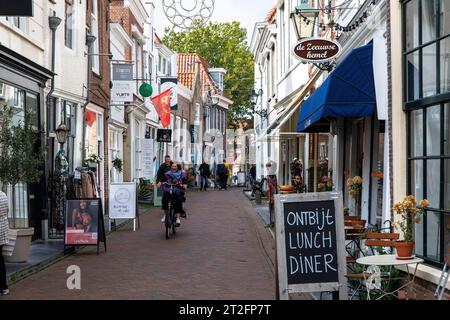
{"x":310,"y":243}
{"x":21,"y":8}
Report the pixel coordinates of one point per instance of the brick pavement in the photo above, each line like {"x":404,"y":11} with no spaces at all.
{"x":222,"y":251}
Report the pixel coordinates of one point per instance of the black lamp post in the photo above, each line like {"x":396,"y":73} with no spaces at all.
{"x":62,"y":171}
{"x":254,"y":97}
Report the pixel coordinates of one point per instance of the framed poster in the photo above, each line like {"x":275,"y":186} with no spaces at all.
{"x":122,"y":200}
{"x":310,"y":243}
{"x":82,"y":222}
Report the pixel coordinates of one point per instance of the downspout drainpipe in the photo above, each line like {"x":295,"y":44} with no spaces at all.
{"x":53,"y":22}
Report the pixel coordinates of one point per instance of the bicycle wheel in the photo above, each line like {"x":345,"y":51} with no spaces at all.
{"x":168,"y":222}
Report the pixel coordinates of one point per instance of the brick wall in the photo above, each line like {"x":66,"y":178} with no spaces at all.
{"x":100,"y":89}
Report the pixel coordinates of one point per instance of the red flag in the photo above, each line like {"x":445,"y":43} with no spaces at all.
{"x":162,"y":106}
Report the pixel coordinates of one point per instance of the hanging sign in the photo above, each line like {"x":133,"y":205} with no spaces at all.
{"x":167,"y":83}
{"x":164,"y":135}
{"x":146,"y":90}
{"x":312,"y":50}
{"x":147,"y":158}
{"x":310,"y":243}
{"x":122,"y":89}
{"x":17,"y":8}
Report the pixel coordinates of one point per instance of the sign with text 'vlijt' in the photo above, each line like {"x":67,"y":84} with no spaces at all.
{"x":310,"y":243}
{"x":17,"y":8}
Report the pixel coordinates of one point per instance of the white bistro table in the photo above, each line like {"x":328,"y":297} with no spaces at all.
{"x":390,"y":260}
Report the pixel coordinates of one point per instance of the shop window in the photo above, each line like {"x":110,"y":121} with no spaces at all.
{"x":444,"y":17}
{"x":416,"y":125}
{"x":447,"y":186}
{"x":417,"y":179}
{"x":412,"y":25}
{"x":433,"y":130}
{"x":433,"y":235}
{"x":429,"y":20}
{"x":447,"y":129}
{"x":412,"y":76}
{"x":445,"y":64}
{"x":433,"y":174}
{"x":429,"y":70}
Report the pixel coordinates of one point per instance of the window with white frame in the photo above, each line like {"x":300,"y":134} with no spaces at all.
{"x":69,"y":24}
{"x":94,"y":32}
{"x":18,"y":22}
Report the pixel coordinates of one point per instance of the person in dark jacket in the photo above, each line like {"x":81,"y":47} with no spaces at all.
{"x":205,"y":173}
{"x":222,"y":173}
{"x":165,"y":167}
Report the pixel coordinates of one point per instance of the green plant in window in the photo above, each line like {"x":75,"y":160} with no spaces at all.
{"x":118,"y":164}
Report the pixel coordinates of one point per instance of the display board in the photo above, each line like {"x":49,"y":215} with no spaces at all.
{"x":310,"y":243}
{"x":84,"y":225}
{"x":147,"y":158}
{"x":122,"y":200}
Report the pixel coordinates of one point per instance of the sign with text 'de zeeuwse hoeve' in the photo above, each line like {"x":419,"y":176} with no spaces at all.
{"x":310,"y":240}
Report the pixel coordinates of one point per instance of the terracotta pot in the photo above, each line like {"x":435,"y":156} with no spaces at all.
{"x":404,"y":249}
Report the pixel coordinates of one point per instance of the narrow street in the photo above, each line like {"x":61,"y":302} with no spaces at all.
{"x":222,"y":251}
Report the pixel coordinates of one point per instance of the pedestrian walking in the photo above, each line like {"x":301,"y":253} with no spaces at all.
{"x":4,"y":228}
{"x":252,"y":174}
{"x":205,"y":173}
{"x":222,"y":173}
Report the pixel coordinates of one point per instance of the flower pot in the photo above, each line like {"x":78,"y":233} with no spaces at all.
{"x":404,"y":249}
{"x":22,"y":245}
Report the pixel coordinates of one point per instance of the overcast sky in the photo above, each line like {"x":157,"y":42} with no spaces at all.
{"x":247,"y":12}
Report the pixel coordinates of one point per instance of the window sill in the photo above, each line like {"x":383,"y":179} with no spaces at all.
{"x":23,"y":35}
{"x":426,"y":273}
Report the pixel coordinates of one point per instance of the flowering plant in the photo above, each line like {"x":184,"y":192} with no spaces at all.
{"x":409,"y":212}
{"x":325,"y":185}
{"x":355,"y":187}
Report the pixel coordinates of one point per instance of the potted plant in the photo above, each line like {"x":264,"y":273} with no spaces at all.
{"x":409,"y":213}
{"x":118,"y":164}
{"x":355,"y":188}
{"x":92,"y":161}
{"x":20,"y":162}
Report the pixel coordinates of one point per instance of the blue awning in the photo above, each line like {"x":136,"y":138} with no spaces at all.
{"x":349,"y":91}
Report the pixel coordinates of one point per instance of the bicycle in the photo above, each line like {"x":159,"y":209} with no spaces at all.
{"x":170,"y":221}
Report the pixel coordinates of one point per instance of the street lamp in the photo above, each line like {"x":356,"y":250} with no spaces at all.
{"x":304,"y":19}
{"x":62,"y":172}
{"x":254,"y":97}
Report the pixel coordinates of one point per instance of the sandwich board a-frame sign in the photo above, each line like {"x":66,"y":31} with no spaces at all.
{"x":310,"y":244}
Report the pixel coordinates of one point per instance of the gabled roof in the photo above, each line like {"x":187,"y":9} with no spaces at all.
{"x":186,"y":72}
{"x":271,"y":14}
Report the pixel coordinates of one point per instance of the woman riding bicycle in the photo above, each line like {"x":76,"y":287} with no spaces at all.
{"x":176,"y":178}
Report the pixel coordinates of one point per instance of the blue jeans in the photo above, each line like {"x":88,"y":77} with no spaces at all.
{"x":203,"y":182}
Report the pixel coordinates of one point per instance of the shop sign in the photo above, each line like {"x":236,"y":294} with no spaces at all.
{"x":17,"y":8}
{"x":122,"y":89}
{"x":164,"y":135}
{"x":318,"y":50}
{"x":310,"y":243}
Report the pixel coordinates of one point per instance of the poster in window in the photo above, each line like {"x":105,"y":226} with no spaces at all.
{"x":82,"y":222}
